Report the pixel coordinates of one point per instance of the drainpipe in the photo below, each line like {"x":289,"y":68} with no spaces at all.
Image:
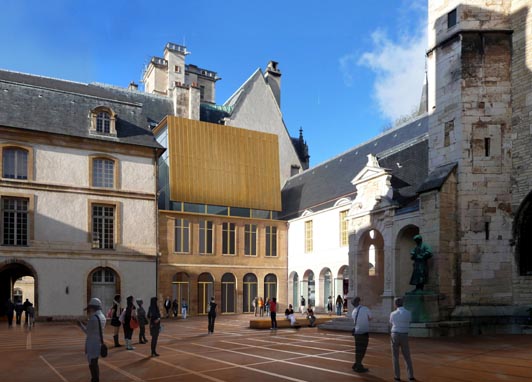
{"x":156,"y":171}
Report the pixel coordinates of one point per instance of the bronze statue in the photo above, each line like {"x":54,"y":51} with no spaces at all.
{"x":420,"y":254}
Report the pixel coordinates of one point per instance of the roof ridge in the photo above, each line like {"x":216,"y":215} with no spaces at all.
{"x":43,"y":76}
{"x":387,"y":132}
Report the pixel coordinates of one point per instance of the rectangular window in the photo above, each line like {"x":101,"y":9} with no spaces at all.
{"x":206,"y":237}
{"x":182,"y":236}
{"x":103,"y":173}
{"x":250,"y":238}
{"x":451,"y":19}
{"x":15,"y":163}
{"x":343,"y":229}
{"x":271,"y":241}
{"x":228,"y":238}
{"x":177,"y":69}
{"x":103,"y":226}
{"x":487,"y":147}
{"x":308,"y":236}
{"x":15,"y":221}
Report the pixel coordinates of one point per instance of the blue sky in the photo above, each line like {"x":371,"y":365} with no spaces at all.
{"x":349,"y":67}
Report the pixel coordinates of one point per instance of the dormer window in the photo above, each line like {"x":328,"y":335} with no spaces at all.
{"x":103,"y":121}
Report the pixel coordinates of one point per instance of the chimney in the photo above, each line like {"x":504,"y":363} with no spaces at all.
{"x":133,"y":86}
{"x":273,"y":78}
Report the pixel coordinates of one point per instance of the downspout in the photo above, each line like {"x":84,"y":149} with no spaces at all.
{"x":156,"y":171}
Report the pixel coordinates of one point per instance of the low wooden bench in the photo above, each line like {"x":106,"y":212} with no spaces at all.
{"x":282,"y":322}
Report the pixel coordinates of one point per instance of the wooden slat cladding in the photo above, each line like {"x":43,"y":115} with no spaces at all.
{"x":223,"y":165}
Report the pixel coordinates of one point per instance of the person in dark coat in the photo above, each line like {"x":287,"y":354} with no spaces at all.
{"x":116,"y":311}
{"x":26,"y":305}
{"x":175,"y":307}
{"x":10,"y":309}
{"x":19,"y":308}
{"x":143,"y":321}
{"x":154,"y":315}
{"x":130,"y":313}
{"x":212,"y":315}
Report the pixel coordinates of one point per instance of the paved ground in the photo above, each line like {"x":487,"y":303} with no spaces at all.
{"x":54,"y":352}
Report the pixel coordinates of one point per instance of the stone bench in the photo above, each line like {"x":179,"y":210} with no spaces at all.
{"x":282,"y":322}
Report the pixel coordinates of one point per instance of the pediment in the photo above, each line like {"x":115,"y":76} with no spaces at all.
{"x":372,"y":170}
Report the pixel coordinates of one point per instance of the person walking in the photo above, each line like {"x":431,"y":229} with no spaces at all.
{"x":212,"y":315}
{"x":31,"y":316}
{"x":116,"y":312}
{"x":10,"y":309}
{"x":184,"y":308}
{"x":302,"y":305}
{"x":175,"y":307}
{"x":339,"y":305}
{"x":154,"y":315}
{"x":19,"y":308}
{"x":26,"y":304}
{"x":143,"y":321}
{"x":361,"y":316}
{"x":273,"y":313}
{"x":267,"y":307}
{"x":167,"y":306}
{"x":255,"y":304}
{"x":94,"y":332}
{"x":400,"y":321}
{"x":128,"y":315}
{"x":329,"y":305}
{"x":261,"y":307}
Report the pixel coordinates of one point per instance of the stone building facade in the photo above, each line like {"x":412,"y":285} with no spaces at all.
{"x":77,"y":191}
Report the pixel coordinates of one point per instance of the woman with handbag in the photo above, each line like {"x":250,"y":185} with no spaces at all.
{"x":94,"y":345}
{"x":129,"y":321}
{"x":116,"y":312}
{"x":154,"y":315}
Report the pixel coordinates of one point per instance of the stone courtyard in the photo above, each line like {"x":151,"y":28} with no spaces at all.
{"x":54,"y":352}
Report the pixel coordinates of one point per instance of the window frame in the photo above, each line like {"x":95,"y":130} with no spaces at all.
{"x":94,"y":121}
{"x":116,"y":171}
{"x":272,"y":238}
{"x":30,"y":160}
{"x":309,"y":236}
{"x":183,"y":230}
{"x":205,"y":232}
{"x":251,"y":234}
{"x":117,"y":227}
{"x":29,"y":218}
{"x":227,"y":232}
{"x":344,"y":229}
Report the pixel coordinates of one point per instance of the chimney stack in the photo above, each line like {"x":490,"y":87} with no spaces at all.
{"x":273,"y":78}
{"x":133,"y":86}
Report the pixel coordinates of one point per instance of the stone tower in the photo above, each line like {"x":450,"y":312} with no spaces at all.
{"x":470,"y":120}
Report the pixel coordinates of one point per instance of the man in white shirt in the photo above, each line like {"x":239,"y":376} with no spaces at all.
{"x":361,"y":317}
{"x":400,"y":321}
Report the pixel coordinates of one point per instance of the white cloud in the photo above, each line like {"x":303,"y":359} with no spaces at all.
{"x":398,"y":65}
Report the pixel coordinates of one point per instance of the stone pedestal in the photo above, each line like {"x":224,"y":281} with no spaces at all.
{"x":424,"y":306}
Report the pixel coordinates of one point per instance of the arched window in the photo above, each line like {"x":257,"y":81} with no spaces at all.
{"x":249,"y":293}
{"x":14,"y":163}
{"x":270,"y":286}
{"x":103,"y":122}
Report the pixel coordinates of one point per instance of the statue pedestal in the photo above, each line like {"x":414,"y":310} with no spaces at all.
{"x":423,"y":305}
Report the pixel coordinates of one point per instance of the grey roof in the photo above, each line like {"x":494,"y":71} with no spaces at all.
{"x":403,"y":150}
{"x":62,"y":107}
{"x":437,"y":177}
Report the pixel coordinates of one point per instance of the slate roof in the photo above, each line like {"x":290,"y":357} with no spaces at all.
{"x":437,"y":177}
{"x":63,"y":107}
{"x":403,"y":150}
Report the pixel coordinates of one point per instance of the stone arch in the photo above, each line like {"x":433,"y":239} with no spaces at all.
{"x":370,"y":265}
{"x":403,"y":265}
{"x":325,"y":287}
{"x":308,"y":287}
{"x":522,"y":226}
{"x":10,"y":271}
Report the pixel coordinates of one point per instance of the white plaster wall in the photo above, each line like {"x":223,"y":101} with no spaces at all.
{"x":54,"y":275}
{"x":327,"y":252}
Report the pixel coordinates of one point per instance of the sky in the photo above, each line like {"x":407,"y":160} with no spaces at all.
{"x":349,"y":67}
